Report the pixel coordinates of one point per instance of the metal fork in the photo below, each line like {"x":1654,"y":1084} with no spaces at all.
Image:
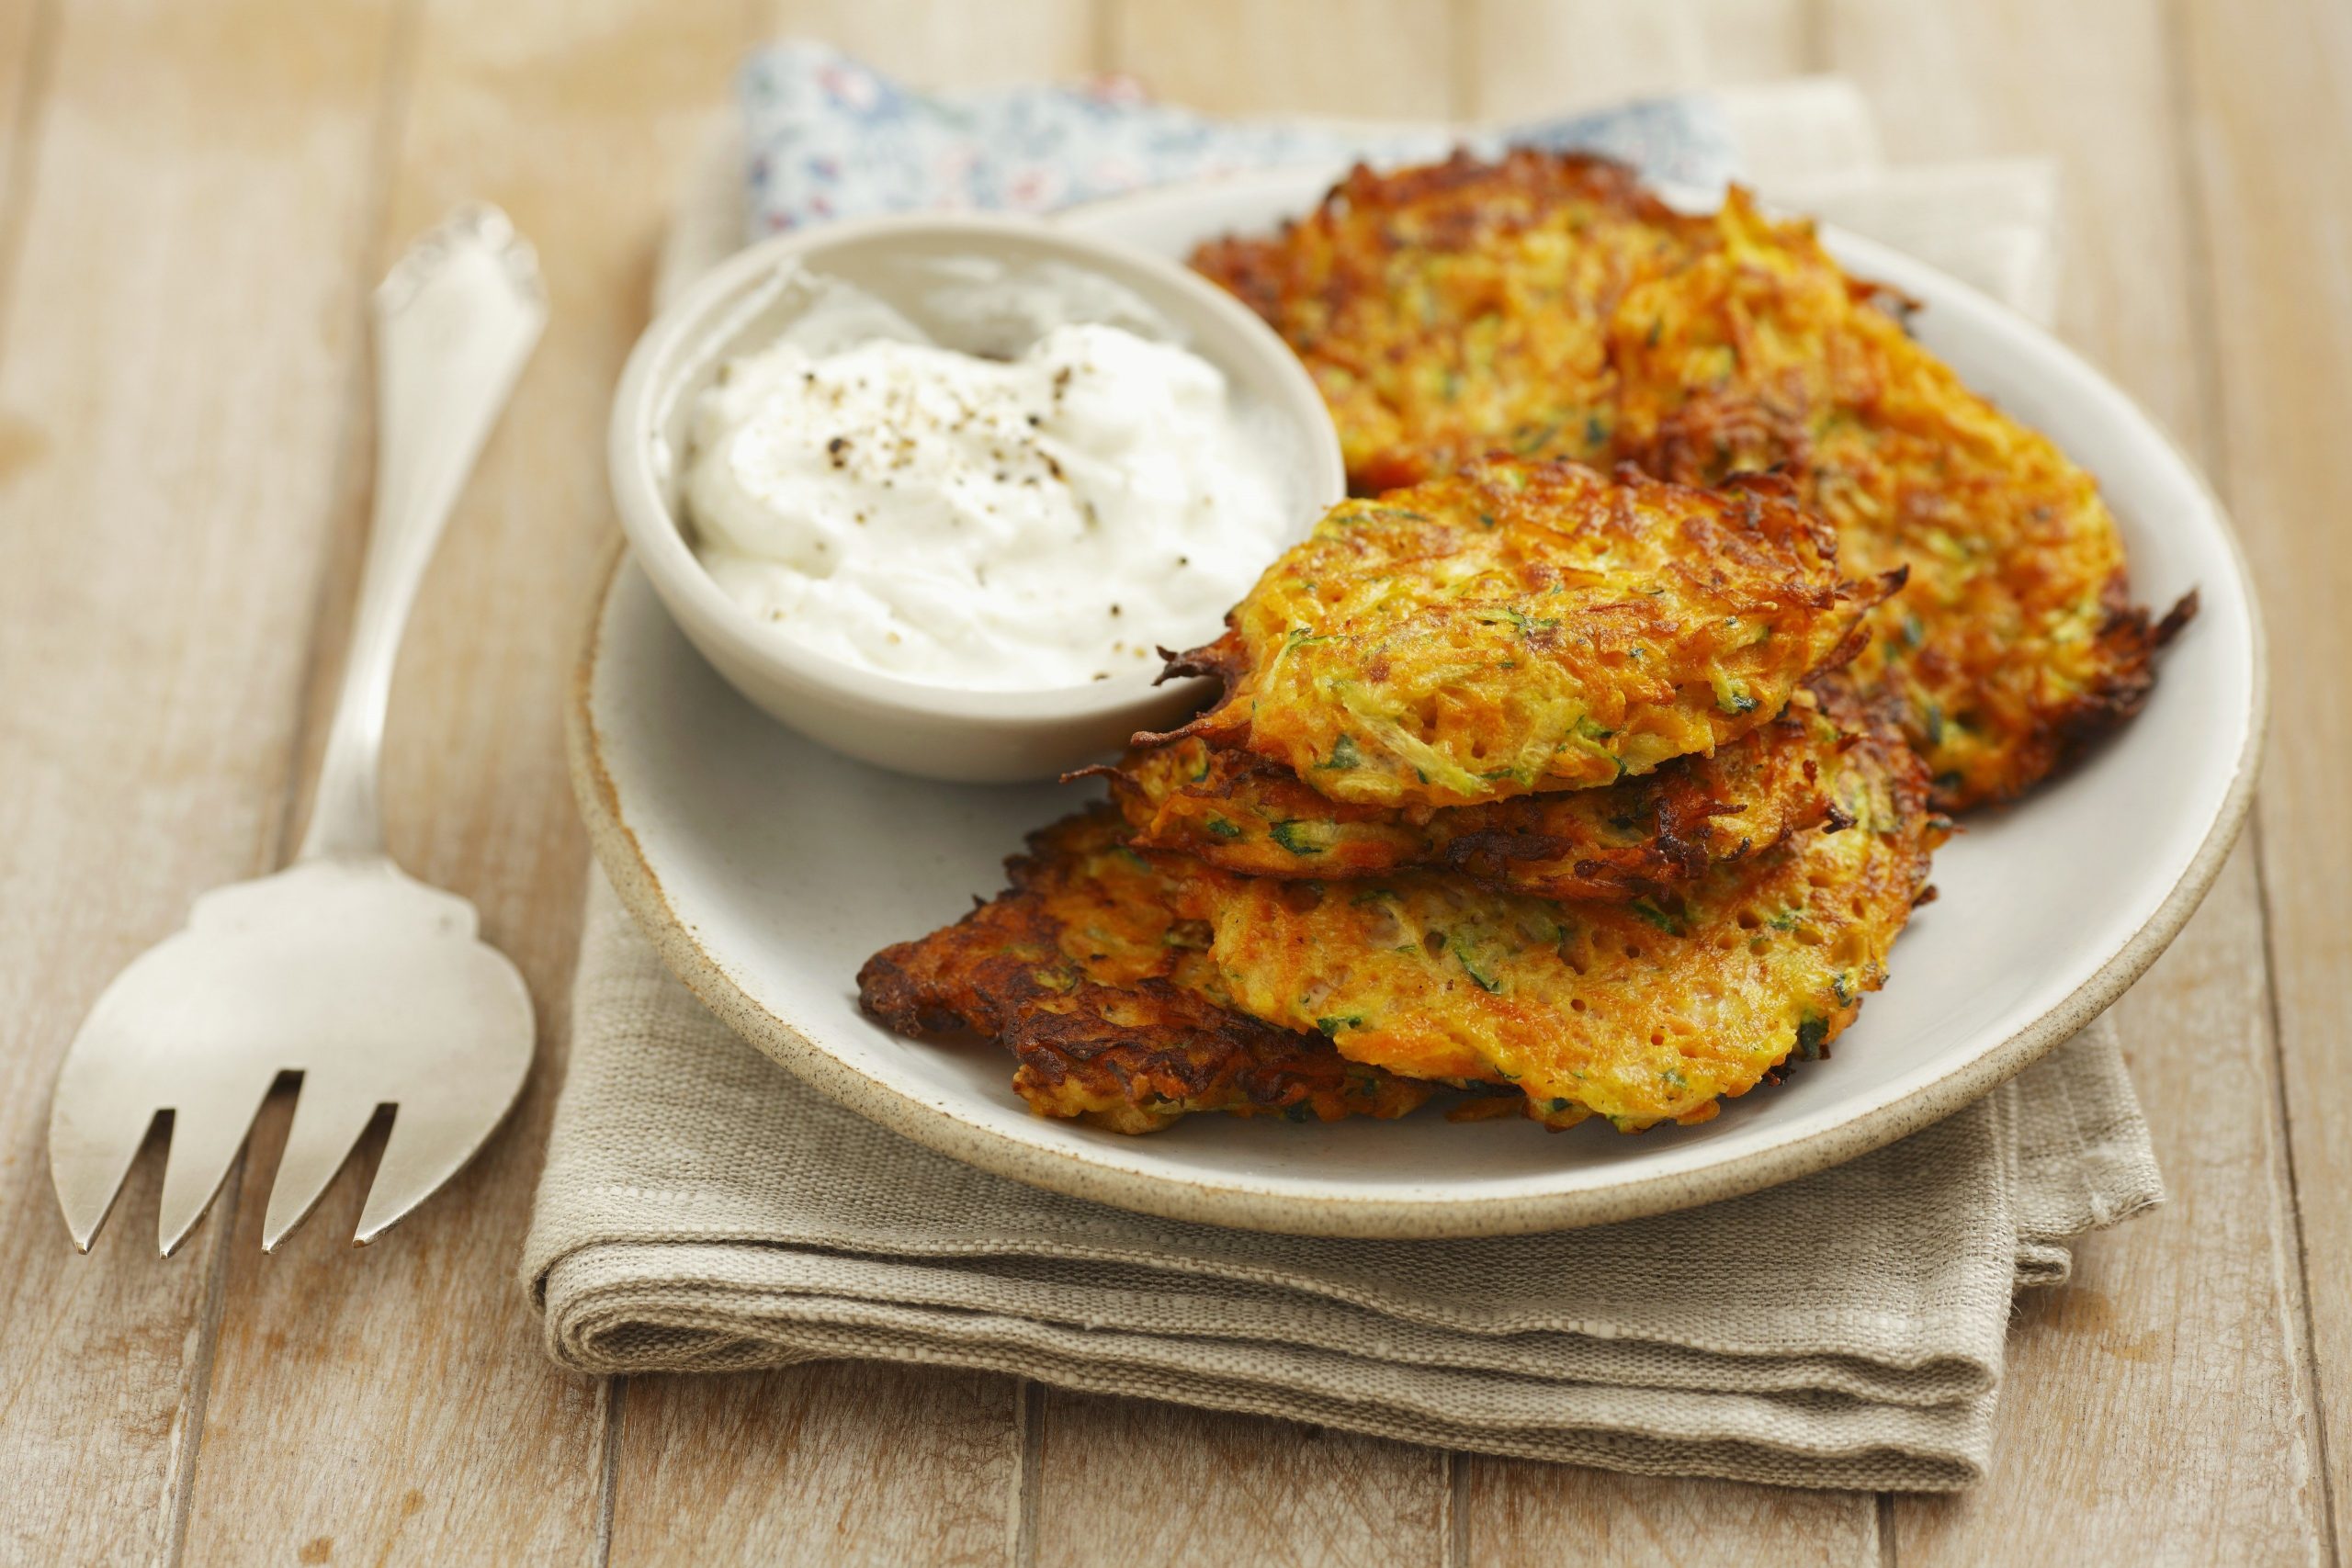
{"x":370,"y":985}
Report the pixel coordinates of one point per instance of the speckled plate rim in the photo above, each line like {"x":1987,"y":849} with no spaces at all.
{"x":1241,"y":1202}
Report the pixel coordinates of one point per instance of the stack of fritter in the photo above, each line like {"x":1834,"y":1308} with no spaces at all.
{"x":1590,"y":792}
{"x":1518,"y":785}
{"x":1548,"y":305}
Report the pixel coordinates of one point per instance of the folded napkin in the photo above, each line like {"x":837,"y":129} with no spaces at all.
{"x":702,"y":1209}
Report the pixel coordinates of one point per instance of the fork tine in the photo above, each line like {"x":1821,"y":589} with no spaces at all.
{"x":327,"y":1122}
{"x":93,"y":1138}
{"x":207,"y":1132}
{"x":431,"y":1138}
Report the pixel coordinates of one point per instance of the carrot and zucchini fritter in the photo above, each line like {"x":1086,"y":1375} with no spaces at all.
{"x":1462,"y":308}
{"x":1639,"y":1012}
{"x":2016,"y":636}
{"x":1544,"y":779}
{"x":1546,"y":305}
{"x":1134,"y":990}
{"x":1086,"y":973}
{"x":1237,"y":811}
{"x":1522,"y":627}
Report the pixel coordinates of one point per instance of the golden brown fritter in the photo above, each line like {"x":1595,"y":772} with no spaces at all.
{"x":1639,"y":837}
{"x":1460,"y":308}
{"x":1079,"y":969}
{"x":1547,"y":305}
{"x":1518,"y":626}
{"x":1639,"y":1012}
{"x":2016,"y":635}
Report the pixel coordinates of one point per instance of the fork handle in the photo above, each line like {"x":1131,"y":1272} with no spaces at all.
{"x":455,"y":320}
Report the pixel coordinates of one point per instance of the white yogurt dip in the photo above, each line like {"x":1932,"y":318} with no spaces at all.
{"x":1037,"y":507}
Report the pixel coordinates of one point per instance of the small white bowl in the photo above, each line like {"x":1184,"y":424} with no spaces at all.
{"x":936,"y":731}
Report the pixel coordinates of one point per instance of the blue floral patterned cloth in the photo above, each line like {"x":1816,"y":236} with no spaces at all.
{"x":828,"y":137}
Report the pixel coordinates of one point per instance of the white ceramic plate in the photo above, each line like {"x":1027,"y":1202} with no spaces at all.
{"x":766,"y":869}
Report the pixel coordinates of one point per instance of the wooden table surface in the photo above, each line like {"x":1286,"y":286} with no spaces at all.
{"x":194,"y":201}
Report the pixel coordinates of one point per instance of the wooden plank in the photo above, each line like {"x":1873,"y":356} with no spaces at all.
{"x":821,"y":1464}
{"x":1128,"y":1480}
{"x":1363,"y":58}
{"x":1524,"y":1513}
{"x":393,"y":1403}
{"x":1529,"y":58}
{"x":2268,"y":90}
{"x":28,"y":34}
{"x":930,"y":44}
{"x":178,"y":331}
{"x":2153,"y":1408}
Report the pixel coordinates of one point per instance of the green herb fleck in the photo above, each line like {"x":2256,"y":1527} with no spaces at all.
{"x":1344,"y":756}
{"x":1813,"y":1033}
{"x":1732,"y":697}
{"x":1287,"y":834}
{"x":1520,"y":619}
{"x":1529,"y":438}
{"x":1659,"y":917}
{"x":1223,"y":828}
{"x":1487,"y":980}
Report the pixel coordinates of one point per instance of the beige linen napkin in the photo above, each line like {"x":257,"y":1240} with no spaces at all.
{"x":702,"y":1209}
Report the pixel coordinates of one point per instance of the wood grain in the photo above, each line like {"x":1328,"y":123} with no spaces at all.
{"x":28,"y":37}
{"x":394,"y":1403}
{"x":1529,"y":58}
{"x":1512,"y":1516}
{"x":1128,"y":1480}
{"x":2268,"y":88}
{"x":831,"y":1462}
{"x":933,"y":45}
{"x":1362,"y":58}
{"x":2153,"y":1410}
{"x":166,"y":476}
